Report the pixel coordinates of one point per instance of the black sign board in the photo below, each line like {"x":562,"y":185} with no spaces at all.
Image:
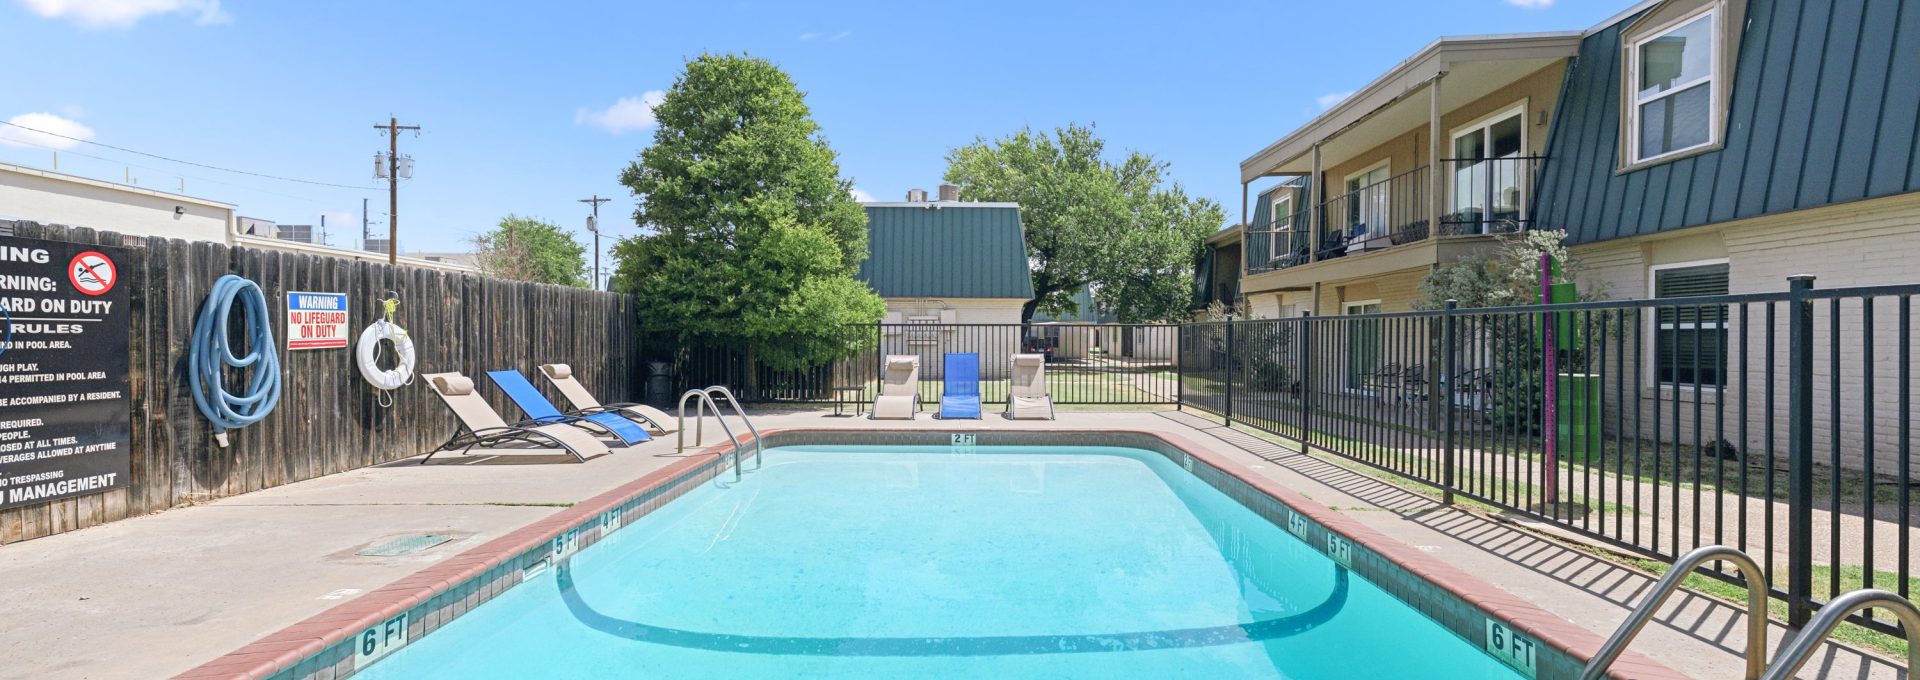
{"x":65,"y":407}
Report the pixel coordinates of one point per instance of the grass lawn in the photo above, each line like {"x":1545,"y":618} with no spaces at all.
{"x":1851,"y":578}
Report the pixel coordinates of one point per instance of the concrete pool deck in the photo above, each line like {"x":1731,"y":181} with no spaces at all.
{"x":158,"y":595}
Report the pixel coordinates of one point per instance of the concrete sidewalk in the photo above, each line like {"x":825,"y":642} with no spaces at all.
{"x":156,"y":595}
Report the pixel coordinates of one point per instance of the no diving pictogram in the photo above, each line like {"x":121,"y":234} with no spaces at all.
{"x":92,"y":273}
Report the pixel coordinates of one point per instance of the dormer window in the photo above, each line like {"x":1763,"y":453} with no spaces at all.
{"x":1672,"y":81}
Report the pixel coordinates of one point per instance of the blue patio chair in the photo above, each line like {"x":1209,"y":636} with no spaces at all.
{"x":537,"y":408}
{"x":960,"y":398}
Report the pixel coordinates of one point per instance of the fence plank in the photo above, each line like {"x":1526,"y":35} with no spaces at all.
{"x":329,"y":419}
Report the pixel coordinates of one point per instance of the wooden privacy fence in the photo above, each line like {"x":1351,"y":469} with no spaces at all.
{"x":329,"y":419}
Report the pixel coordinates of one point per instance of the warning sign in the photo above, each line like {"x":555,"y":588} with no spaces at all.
{"x":316,"y":320}
{"x":92,"y":273}
{"x":65,"y":403}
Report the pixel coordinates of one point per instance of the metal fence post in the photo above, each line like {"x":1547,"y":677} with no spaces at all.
{"x":1448,"y":340}
{"x":1230,"y":362}
{"x":1180,"y":367}
{"x":1306,"y":371}
{"x":1800,"y":450}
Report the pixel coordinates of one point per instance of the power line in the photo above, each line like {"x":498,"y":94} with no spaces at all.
{"x":176,"y":173}
{"x":176,"y":160}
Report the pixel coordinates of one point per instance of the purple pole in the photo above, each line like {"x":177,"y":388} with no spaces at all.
{"x":1551,"y":407}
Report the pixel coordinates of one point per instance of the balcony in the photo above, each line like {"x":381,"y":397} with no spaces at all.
{"x":1483,"y":196}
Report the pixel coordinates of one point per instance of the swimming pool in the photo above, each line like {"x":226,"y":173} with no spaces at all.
{"x":847,"y":560}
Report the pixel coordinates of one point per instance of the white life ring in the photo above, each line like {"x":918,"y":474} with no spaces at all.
{"x":368,"y":351}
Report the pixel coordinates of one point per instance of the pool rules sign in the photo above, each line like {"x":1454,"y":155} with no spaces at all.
{"x":65,"y":408}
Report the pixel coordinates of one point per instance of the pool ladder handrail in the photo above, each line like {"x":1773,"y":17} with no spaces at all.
{"x":700,"y":418}
{"x":1757,"y":589}
{"x":1797,"y":651}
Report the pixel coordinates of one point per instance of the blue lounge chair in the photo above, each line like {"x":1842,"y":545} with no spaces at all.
{"x":537,"y":408}
{"x":961,"y":396}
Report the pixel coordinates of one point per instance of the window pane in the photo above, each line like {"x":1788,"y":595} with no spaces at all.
{"x":1506,"y":137}
{"x":1468,"y":145}
{"x":1679,"y":57}
{"x":1685,"y":356}
{"x":1675,"y":122}
{"x":1690,"y":344}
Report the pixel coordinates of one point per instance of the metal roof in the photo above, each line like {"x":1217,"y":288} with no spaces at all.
{"x":1815,"y":117}
{"x":946,"y":250}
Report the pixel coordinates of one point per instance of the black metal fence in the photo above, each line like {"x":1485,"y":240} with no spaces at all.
{"x":1089,"y":364}
{"x":1781,"y":423}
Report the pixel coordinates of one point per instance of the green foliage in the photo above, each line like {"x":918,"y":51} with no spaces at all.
{"x":1117,"y":226}
{"x":527,"y":249}
{"x":1511,"y":277}
{"x":754,"y":240}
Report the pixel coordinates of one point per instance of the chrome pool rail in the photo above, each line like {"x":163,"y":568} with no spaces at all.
{"x":1757,"y":588}
{"x":705,"y":399}
{"x":1796,"y":653}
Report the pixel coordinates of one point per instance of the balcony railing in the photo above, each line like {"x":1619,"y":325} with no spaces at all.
{"x":1488,"y":195}
{"x":1390,"y":212}
{"x":1481,"y":196}
{"x":1285,"y":241}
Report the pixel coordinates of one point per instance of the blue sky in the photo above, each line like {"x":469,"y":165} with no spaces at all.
{"x":528,"y":107}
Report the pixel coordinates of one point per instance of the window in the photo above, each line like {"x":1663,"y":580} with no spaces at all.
{"x":1367,"y":200}
{"x":1672,"y":105}
{"x":1690,"y":340}
{"x":928,"y":334}
{"x":1363,"y":342}
{"x":1488,"y":172}
{"x":1282,"y":236}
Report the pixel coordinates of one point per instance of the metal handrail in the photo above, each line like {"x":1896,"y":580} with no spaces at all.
{"x":700,"y":417}
{"x":1796,"y":653}
{"x":759,"y":448}
{"x":1757,"y":587}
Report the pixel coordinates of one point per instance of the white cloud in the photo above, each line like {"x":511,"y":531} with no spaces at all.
{"x":1328,"y":100}
{"x":861,"y":195}
{"x":1531,"y":4}
{"x":819,"y":35}
{"x":44,"y":123}
{"x":630,"y":113}
{"x":125,"y":13}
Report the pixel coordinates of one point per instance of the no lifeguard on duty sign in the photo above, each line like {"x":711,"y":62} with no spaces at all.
{"x":316,"y":320}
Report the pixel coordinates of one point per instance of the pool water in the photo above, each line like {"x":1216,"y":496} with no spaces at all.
{"x":916,"y":562}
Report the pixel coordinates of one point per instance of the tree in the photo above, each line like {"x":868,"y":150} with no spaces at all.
{"x":753,"y":239}
{"x":527,"y":249}
{"x":1510,"y":277}
{"x":1118,"y":227}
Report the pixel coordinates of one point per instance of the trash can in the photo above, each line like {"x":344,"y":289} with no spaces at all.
{"x":1578,"y":410}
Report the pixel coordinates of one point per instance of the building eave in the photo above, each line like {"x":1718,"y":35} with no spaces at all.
{"x":1410,"y":75}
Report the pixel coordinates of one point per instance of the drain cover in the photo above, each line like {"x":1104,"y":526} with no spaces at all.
{"x":405,"y":545}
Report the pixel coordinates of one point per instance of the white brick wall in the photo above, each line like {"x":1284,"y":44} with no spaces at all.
{"x":1858,"y":244}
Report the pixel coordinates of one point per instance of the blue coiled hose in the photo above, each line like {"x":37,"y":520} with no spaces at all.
{"x":210,"y":355}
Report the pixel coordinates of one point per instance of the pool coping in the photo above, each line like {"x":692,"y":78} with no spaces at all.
{"x":322,"y":646}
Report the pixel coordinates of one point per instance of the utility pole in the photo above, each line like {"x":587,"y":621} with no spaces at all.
{"x":593,"y":225}
{"x":363,"y":224}
{"x":392,"y":173}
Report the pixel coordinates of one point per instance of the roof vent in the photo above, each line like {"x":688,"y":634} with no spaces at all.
{"x":949,"y":192}
{"x":916,"y":195}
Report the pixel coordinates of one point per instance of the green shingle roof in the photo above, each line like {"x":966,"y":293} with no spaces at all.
{"x":946,"y":250}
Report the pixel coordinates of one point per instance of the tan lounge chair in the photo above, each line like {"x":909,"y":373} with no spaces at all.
{"x":561,"y":375}
{"x":1027,"y":398}
{"x":481,"y":426}
{"x":899,"y":389}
